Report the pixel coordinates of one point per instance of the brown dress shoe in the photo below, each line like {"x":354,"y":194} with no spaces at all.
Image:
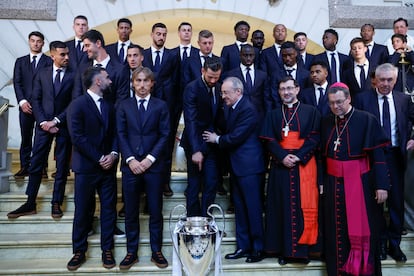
{"x":159,"y":260}
{"x":77,"y":260}
{"x":22,"y":173}
{"x":24,"y":210}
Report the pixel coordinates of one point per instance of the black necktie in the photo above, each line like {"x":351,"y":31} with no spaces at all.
{"x":141,"y":110}
{"x":368,"y":52}
{"x":185,"y":55}
{"x":321,"y":96}
{"x":104,"y":112}
{"x":361,"y":76}
{"x":334,"y":78}
{"x":56,"y":82}
{"x":290,"y":71}
{"x":121,"y":53}
{"x":157,"y":62}
{"x":249,"y":82}
{"x":33,"y":63}
{"x":98,"y":65}
{"x":213,"y":101}
{"x":78,"y":50}
{"x":386,"y":120}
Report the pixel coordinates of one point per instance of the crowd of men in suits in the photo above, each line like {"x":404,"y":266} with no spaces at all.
{"x":98,"y":101}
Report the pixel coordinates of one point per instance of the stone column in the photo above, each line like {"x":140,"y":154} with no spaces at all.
{"x":5,"y":157}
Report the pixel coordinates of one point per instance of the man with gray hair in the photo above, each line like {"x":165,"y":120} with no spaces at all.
{"x":239,"y":138}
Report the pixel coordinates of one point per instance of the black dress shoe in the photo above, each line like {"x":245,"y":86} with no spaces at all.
{"x":159,"y":260}
{"x":24,"y":210}
{"x":121,"y":212}
{"x":119,"y":233}
{"x":282,"y":261}
{"x":167,"y":191}
{"x":239,"y":253}
{"x":129,"y":260}
{"x":56,"y":211}
{"x":383,"y":251}
{"x":44,"y":174}
{"x":255,"y":257}
{"x":221,"y":191}
{"x":397,"y":254}
{"x":22,"y":173}
{"x":404,"y":232}
{"x":77,"y":260}
{"x":108,"y":260}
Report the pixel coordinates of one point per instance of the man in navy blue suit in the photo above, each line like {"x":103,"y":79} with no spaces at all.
{"x":230,"y":54}
{"x":202,"y":109}
{"x":395,"y":111}
{"x":77,"y":56}
{"x":94,"y":46}
{"x":316,"y":94}
{"x":271,"y":57}
{"x":143,"y":129}
{"x":91,"y":124}
{"x":376,"y":53}
{"x":52,"y":93}
{"x":304,"y":58}
{"x":165,"y":65}
{"x":118,"y":50}
{"x":356,"y":76}
{"x":25,"y":70}
{"x":241,"y":141}
{"x":337,"y":61}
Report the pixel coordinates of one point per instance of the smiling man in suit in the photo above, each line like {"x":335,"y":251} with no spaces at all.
{"x":25,"y":70}
{"x":230,"y":54}
{"x":143,"y":131}
{"x":52,"y":93}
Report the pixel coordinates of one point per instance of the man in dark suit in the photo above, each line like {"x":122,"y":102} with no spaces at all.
{"x":258,"y":40}
{"x":304,"y":58}
{"x":25,"y":70}
{"x":202,"y":109}
{"x":77,"y":56}
{"x":255,"y":82}
{"x":356,"y":76}
{"x":399,"y":42}
{"x":377,"y":53}
{"x":143,"y":129}
{"x":118,"y":50}
{"x":290,"y":67}
{"x":91,"y":124}
{"x":230,"y":54}
{"x":241,"y":141}
{"x":163,"y":62}
{"x":395,"y":111}
{"x":316,"y":94}
{"x":271,"y":57}
{"x":192,"y":66}
{"x":52,"y":93}
{"x":135,"y":56}
{"x":94,"y":46}
{"x":338,"y":62}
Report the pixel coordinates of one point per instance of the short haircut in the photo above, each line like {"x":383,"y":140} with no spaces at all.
{"x":147,"y":72}
{"x":286,"y":79}
{"x":57,"y":44}
{"x":136,"y":46}
{"x":124,"y":20}
{"x":321,"y":63}
{"x":213,"y":63}
{"x":38,"y":34}
{"x":184,"y":24}
{"x":258,"y":32}
{"x":332,"y":31}
{"x":287,"y":45}
{"x":299,"y":34}
{"x":205,"y":34}
{"x":89,"y":75}
{"x":368,"y":25}
{"x":241,"y":23}
{"x":400,"y":19}
{"x":246,"y":46}
{"x":236,"y":83}
{"x":386,"y":67}
{"x":400,"y":36}
{"x":158,"y":25}
{"x":339,"y":86}
{"x":80,"y":17}
{"x":356,"y":40}
{"x":94,"y":36}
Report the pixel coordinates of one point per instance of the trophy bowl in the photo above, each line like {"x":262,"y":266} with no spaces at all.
{"x":196,"y":240}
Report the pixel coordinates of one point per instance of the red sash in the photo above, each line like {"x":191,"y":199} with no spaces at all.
{"x":308,"y":190}
{"x":356,"y":213}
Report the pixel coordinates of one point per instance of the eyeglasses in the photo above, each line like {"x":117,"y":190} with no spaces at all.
{"x":338,"y":102}
{"x":288,"y":89}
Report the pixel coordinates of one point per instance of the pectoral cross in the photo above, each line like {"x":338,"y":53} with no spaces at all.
{"x":337,"y":143}
{"x":286,"y":130}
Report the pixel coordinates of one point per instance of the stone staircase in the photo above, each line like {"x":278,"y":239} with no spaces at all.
{"x":40,"y":245}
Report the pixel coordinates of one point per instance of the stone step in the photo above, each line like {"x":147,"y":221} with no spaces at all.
{"x":43,"y":223}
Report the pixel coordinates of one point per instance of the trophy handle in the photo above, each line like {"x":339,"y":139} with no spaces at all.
{"x":214,"y":218}
{"x":170,"y":225}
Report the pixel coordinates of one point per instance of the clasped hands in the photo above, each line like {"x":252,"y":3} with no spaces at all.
{"x":139,"y":167}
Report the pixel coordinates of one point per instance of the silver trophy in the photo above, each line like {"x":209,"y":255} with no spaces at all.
{"x":196,"y":241}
